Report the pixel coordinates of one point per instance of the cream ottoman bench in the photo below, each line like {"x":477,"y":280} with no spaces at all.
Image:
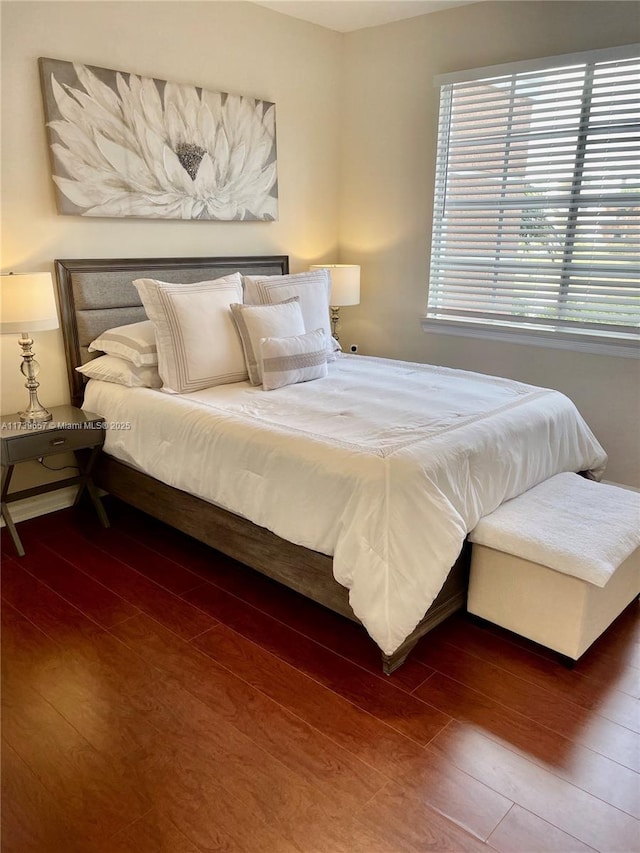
{"x":558,"y":563}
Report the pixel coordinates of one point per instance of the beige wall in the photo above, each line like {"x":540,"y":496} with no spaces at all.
{"x":388,"y":153}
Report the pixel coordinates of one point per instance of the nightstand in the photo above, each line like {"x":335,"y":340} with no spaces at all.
{"x":71,"y":429}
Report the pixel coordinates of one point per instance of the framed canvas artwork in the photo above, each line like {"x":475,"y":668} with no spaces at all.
{"x":123,"y":145}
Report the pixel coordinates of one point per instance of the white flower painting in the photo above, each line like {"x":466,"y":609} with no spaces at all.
{"x":124,"y":145}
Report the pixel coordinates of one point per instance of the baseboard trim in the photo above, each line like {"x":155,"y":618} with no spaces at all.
{"x":42,"y":504}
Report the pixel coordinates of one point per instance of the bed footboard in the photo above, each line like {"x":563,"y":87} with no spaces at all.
{"x":308,"y":572}
{"x":452,"y":597}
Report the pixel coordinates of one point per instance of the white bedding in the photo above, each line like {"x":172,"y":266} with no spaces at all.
{"x":385,"y":465}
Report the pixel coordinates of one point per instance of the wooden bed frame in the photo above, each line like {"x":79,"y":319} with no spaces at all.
{"x":96,"y":295}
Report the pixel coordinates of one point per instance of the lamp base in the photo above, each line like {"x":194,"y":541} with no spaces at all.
{"x":35,"y":411}
{"x":40,"y":415}
{"x":335,"y":321}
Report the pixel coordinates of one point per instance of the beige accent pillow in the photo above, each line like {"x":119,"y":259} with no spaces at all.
{"x":198,"y":345}
{"x":286,"y":361}
{"x":136,"y":342}
{"x":313,"y":289}
{"x":255,"y":322}
{"x":110,"y":368}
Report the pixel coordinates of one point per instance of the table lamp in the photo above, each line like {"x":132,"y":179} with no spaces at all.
{"x":345,"y":289}
{"x":28,"y":302}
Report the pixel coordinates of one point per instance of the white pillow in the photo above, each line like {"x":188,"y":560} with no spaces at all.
{"x":110,"y":368}
{"x":313,"y":289}
{"x":286,"y":361}
{"x":255,"y":322}
{"x":136,"y":342}
{"x":198,"y":346}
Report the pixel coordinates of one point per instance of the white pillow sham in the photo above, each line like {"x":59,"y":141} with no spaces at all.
{"x":111,"y":368}
{"x":198,"y":345}
{"x":255,"y":322}
{"x":289,"y":360}
{"x":313,"y":289}
{"x":136,"y":342}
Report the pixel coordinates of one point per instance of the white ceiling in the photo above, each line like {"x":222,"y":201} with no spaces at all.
{"x":348,"y":15}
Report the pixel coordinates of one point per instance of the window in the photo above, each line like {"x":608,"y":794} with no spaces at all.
{"x":537,"y":199}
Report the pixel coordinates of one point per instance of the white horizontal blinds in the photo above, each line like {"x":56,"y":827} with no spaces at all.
{"x":537,"y":199}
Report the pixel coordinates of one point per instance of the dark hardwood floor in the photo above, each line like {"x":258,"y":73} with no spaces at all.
{"x":158,"y":696}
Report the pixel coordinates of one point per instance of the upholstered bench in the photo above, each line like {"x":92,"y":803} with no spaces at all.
{"x":558,"y":563}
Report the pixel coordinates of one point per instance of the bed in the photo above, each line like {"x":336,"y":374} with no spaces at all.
{"x":396,"y":492}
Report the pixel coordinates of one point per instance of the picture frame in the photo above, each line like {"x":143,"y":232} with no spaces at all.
{"x":125,"y":145}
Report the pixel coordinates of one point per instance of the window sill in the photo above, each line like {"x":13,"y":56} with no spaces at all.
{"x":533,"y":337}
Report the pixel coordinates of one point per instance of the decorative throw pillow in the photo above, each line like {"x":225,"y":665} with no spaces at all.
{"x":110,"y":368}
{"x":313,"y":289}
{"x":255,"y":322}
{"x":136,"y":342}
{"x":198,"y":346}
{"x":286,"y":361}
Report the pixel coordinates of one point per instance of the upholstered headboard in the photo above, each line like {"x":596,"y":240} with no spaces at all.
{"x":96,"y":295}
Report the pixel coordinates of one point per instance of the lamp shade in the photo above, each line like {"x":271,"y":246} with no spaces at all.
{"x":27,"y":303}
{"x":345,"y":283}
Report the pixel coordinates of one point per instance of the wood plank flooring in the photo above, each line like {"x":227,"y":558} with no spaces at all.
{"x":159,"y":697}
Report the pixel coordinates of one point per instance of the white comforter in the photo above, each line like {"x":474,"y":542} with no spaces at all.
{"x":385,"y":465}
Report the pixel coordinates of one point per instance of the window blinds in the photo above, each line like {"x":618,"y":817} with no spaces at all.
{"x":537,"y":199}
